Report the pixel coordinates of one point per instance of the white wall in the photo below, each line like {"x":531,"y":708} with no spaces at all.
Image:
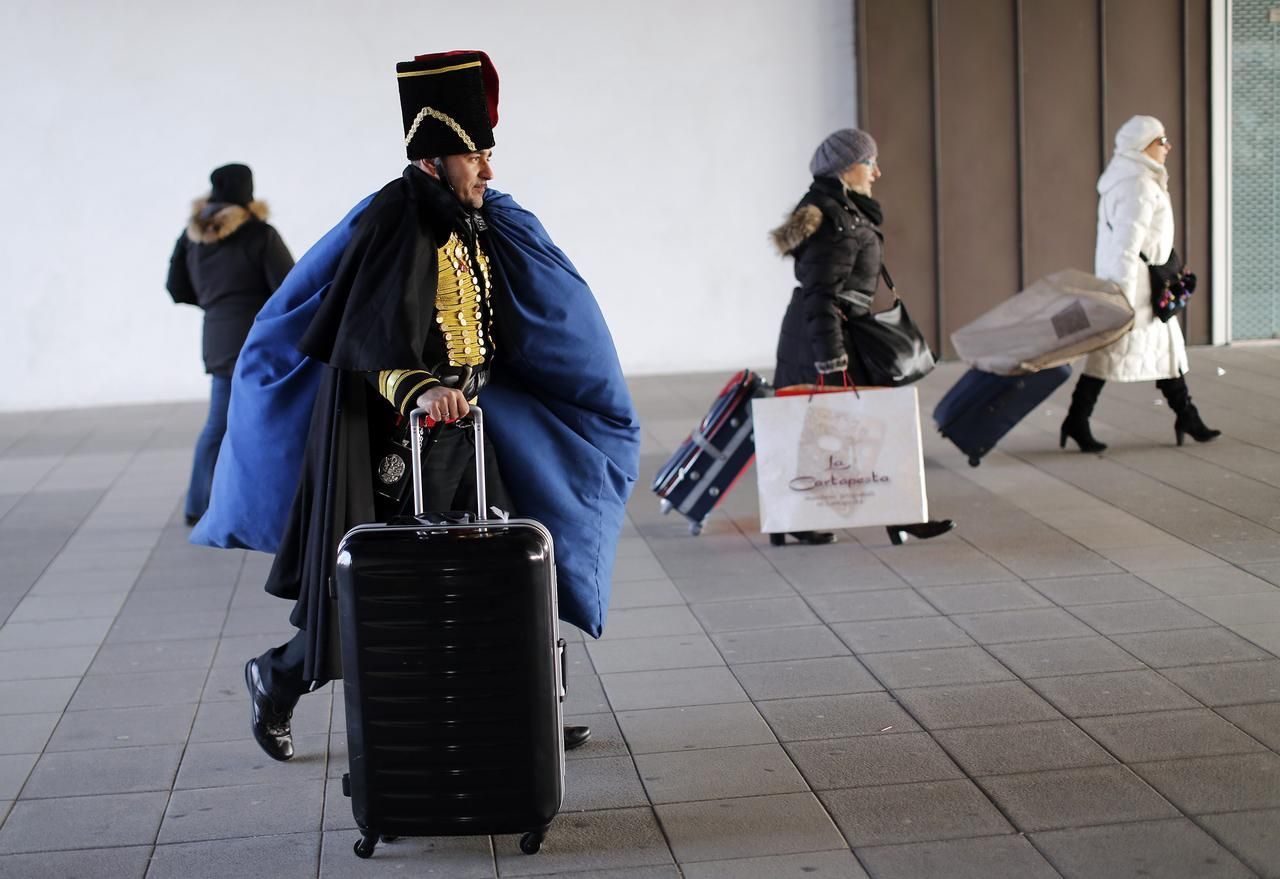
{"x":658,"y":142}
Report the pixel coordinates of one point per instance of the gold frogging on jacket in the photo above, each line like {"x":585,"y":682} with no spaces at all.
{"x":462,"y":304}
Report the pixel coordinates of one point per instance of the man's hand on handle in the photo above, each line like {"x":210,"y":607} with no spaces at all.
{"x":443,"y":404}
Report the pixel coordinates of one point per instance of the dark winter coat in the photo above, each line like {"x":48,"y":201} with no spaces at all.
{"x":228,"y":262}
{"x":838,"y":254}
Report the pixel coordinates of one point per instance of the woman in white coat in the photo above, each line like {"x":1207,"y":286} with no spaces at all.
{"x":1135,"y":225}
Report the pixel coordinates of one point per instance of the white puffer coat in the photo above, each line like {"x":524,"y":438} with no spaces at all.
{"x":1135,"y":216}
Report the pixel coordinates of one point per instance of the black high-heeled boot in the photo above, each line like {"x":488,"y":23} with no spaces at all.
{"x":921,"y":531}
{"x":813,"y":538}
{"x":1187,"y":418}
{"x":1076,"y":425}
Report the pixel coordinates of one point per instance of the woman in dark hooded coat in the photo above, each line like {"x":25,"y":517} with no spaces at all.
{"x":228,"y":262}
{"x":834,"y":235}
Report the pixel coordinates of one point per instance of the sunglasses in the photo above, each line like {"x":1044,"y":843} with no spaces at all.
{"x":1163,"y":141}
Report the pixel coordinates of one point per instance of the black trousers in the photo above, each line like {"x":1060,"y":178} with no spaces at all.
{"x":448,"y":484}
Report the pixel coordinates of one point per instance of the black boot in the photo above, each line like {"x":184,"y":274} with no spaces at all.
{"x":813,"y":538}
{"x":1076,"y":424}
{"x":922,"y":531}
{"x":270,"y":722}
{"x":1187,"y":418}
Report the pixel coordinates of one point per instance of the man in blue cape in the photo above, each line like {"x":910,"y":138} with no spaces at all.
{"x":433,"y":293}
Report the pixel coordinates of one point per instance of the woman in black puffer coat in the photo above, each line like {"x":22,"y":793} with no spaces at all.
{"x":228,"y":262}
{"x":834,"y":235}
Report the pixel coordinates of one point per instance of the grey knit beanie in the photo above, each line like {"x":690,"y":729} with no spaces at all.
{"x":840,"y":150}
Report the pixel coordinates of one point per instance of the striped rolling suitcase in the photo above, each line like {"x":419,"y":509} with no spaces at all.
{"x":453,"y":673}
{"x":982,"y":407}
{"x":707,"y":464}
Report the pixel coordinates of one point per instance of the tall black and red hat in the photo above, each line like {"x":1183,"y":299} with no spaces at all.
{"x":449,"y":101}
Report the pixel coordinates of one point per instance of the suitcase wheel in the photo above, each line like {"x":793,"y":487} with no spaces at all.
{"x":664,"y":506}
{"x":365,"y":845}
{"x":531,"y":842}
{"x":974,"y":460}
{"x":695,"y":528}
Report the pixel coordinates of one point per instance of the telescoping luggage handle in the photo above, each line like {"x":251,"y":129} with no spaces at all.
{"x":415,"y":439}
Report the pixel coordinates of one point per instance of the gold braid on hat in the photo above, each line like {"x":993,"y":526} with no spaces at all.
{"x":441,"y":117}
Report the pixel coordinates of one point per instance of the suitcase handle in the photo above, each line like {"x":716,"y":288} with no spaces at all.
{"x":415,"y":441}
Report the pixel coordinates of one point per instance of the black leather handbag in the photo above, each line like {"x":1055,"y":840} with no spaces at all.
{"x":888,"y":344}
{"x":1171,"y":285}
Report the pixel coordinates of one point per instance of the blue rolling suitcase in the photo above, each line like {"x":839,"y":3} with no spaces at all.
{"x":706,"y":465}
{"x":982,"y":407}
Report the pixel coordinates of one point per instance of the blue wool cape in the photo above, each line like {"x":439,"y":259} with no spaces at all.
{"x":557,"y":410}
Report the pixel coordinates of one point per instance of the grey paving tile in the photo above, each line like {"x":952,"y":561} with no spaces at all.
{"x":291,"y":856}
{"x":1260,"y":721}
{"x":172,"y":626}
{"x":36,"y":697}
{"x":457,"y":857}
{"x":700,"y":726}
{"x":1189,"y":647}
{"x":1098,"y":589}
{"x":942,"y":565}
{"x":246,"y":810}
{"x":1230,"y":783}
{"x":154,"y":656}
{"x":1172,"y":849}
{"x":113,"y":771}
{"x":590,"y":843}
{"x":1023,"y":747}
{"x":643,"y":593}
{"x":118,"y":863}
{"x":1040,"y":624}
{"x":880,"y":604}
{"x":976,"y":705}
{"x":606,"y":739}
{"x":36,"y":608}
{"x":1187,"y":583}
{"x":812,"y":865}
{"x":56,"y":662}
{"x":984,"y":597}
{"x":14,"y":769}
{"x":1075,"y":798}
{"x":805,"y":677}
{"x":1233,"y":683}
{"x":650,"y":654}
{"x":137,"y":690}
{"x":1251,"y":836}
{"x":774,"y":644}
{"x":602,"y":783}
{"x":82,"y":822}
{"x":228,"y":720}
{"x":1168,"y":735}
{"x":904,"y":813}
{"x":630,"y":691}
{"x":747,"y":827}
{"x":756,"y":613}
{"x":920,"y":668}
{"x":243,"y":762}
{"x":1140,"y":616}
{"x":1125,"y":692}
{"x":1265,"y":635}
{"x":1239,"y":610}
{"x":865,"y":761}
{"x":719,"y":773}
{"x":1039,"y":659}
{"x":123,"y":727}
{"x":26,"y":733}
{"x":648,"y":622}
{"x":981,"y":858}
{"x":744,"y":587}
{"x":917,"y":633}
{"x":812,"y":581}
{"x":832,"y":717}
{"x":54,"y":633}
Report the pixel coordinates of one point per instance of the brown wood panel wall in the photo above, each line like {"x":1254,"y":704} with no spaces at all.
{"x":900,"y":99}
{"x":978,"y":135}
{"x":994,"y":119}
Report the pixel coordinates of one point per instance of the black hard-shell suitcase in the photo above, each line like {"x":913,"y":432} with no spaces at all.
{"x":705,"y":467}
{"x":982,"y":407}
{"x":453,"y":673}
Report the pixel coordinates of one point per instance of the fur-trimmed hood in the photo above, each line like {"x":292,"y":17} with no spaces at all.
{"x":802,"y":223}
{"x":212,"y":222}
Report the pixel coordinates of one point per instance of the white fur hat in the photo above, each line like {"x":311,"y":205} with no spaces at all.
{"x":1136,"y":134}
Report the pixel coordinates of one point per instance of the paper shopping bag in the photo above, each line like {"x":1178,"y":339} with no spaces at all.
{"x":839,"y":460}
